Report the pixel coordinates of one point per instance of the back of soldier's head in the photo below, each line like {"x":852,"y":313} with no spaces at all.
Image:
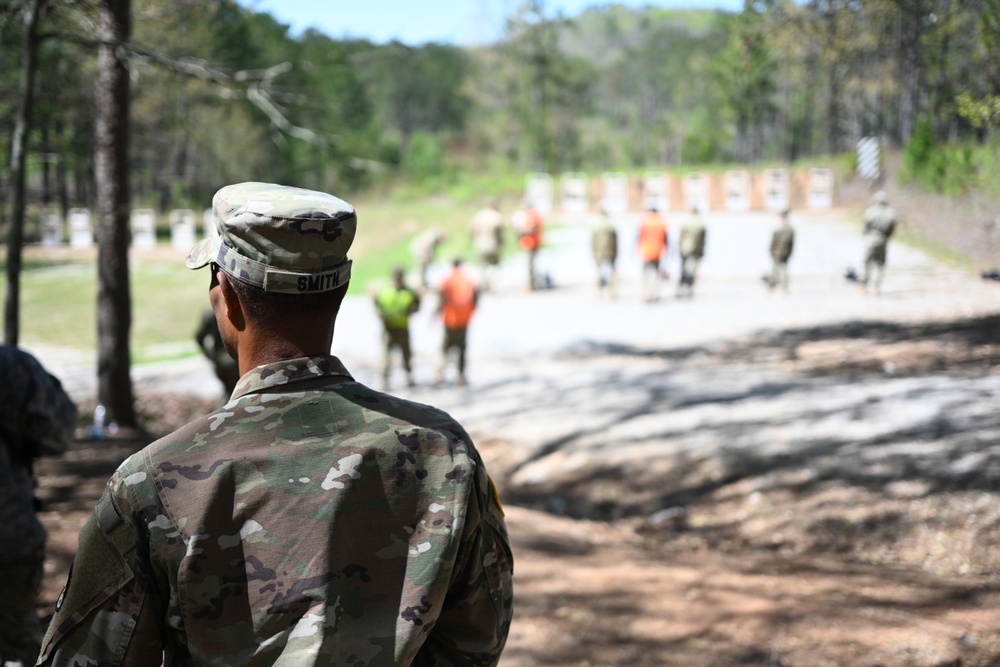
{"x":284,"y":248}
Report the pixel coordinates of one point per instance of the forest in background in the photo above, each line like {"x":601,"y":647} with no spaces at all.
{"x":220,"y":93}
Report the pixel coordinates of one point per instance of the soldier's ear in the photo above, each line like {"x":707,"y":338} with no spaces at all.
{"x":230,"y":304}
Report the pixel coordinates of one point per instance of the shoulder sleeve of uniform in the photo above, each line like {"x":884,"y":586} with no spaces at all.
{"x":109,"y":610}
{"x":475,"y":621}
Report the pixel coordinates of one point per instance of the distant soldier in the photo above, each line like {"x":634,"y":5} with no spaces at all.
{"x":880,"y":223}
{"x":782,"y":241}
{"x":210,"y":341}
{"x":529,"y":224}
{"x":395,"y":303}
{"x":652,"y":246}
{"x":37,"y":420}
{"x":692,"y":249}
{"x":424,"y":248}
{"x":459,"y":297}
{"x":487,"y":236}
{"x":604,"y":244}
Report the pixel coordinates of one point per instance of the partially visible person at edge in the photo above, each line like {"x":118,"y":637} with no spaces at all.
{"x":459,"y":296}
{"x":782,"y":242}
{"x":487,"y":237}
{"x":37,"y":420}
{"x":691,"y":246}
{"x":311,"y":520}
{"x":880,"y":223}
{"x":604,"y":246}
{"x":652,"y":245}
{"x":530,"y":225}
{"x":210,"y":341}
{"x":394,"y":304}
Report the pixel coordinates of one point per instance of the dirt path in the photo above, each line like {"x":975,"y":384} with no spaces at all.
{"x":807,"y":479}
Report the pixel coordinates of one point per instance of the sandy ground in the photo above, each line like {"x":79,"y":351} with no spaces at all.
{"x":741,"y":478}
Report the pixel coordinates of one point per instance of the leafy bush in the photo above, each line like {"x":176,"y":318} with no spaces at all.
{"x":942,"y":168}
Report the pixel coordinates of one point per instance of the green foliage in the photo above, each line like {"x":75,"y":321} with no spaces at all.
{"x":944,"y":168}
{"x":983,"y":112}
{"x":704,"y":143}
{"x":424,"y":159}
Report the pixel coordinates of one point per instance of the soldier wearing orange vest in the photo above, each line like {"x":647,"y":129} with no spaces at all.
{"x":652,"y":246}
{"x":529,"y":224}
{"x":459,"y":296}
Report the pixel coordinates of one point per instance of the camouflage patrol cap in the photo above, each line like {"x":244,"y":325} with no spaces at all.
{"x":279,"y":238}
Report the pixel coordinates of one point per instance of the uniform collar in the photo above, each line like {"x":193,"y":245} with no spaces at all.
{"x":289,"y":371}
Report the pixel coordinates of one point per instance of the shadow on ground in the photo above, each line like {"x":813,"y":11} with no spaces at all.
{"x":872,"y":440}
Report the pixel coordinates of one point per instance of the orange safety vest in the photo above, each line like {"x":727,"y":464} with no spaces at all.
{"x":652,"y":237}
{"x":458,"y":300}
{"x":531,"y":235}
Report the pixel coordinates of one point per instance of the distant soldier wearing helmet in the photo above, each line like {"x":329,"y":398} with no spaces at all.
{"x":880,"y":223}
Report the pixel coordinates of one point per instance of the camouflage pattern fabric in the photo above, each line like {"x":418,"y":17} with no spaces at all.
{"x":692,"y":241}
{"x":782,"y":242}
{"x":880,"y":223}
{"x":254,"y":243}
{"x":604,"y":242}
{"x":310,"y":521}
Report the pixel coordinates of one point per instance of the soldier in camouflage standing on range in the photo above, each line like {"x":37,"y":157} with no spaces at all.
{"x":782,"y":242}
{"x":311,"y":520}
{"x":604,"y":246}
{"x":880,"y":223}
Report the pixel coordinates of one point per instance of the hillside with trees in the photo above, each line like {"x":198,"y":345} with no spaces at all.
{"x":221,"y":93}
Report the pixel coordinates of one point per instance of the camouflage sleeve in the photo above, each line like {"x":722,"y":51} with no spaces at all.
{"x":110,"y":611}
{"x":473,"y":626}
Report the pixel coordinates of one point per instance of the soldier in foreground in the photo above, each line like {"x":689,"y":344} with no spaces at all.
{"x":880,"y":223}
{"x":782,"y":242}
{"x":37,"y":420}
{"x":311,"y":520}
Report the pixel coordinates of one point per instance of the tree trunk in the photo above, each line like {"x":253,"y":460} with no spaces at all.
{"x":61,"y":175}
{"x":114,"y":306}
{"x":18,"y":153}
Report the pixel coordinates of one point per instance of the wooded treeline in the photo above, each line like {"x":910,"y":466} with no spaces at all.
{"x":220,"y":93}
{"x":116,"y":103}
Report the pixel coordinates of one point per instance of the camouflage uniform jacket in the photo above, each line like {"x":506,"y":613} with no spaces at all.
{"x":604,"y":242}
{"x":782,"y":242}
{"x":692,"y":241}
{"x":880,"y":223}
{"x":37,"y":420}
{"x":310,"y":521}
